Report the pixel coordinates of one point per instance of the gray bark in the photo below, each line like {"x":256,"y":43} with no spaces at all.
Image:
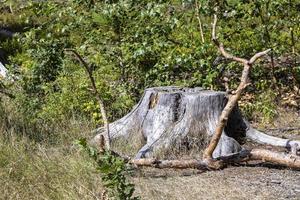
{"x":3,"y":71}
{"x":169,"y":116}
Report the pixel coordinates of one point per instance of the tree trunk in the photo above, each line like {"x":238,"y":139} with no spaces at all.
{"x":170,"y":116}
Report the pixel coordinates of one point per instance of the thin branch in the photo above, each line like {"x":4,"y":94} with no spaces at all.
{"x":96,"y":93}
{"x":177,"y":164}
{"x":258,"y":55}
{"x":221,"y":46}
{"x":214,"y":25}
{"x":199,"y":20}
{"x":218,"y":163}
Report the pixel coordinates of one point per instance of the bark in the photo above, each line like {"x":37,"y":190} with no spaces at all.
{"x":3,"y":71}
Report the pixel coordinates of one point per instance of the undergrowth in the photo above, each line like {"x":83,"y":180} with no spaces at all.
{"x":30,"y":170}
{"x":113,"y":171}
{"x":262,"y":108}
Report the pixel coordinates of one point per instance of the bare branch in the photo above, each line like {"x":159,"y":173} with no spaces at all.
{"x":218,"y":163}
{"x":214,"y":25}
{"x":221,"y":46}
{"x":79,"y":58}
{"x":230,"y":56}
{"x":258,"y":55}
{"x":97,"y":95}
{"x":178,"y":164}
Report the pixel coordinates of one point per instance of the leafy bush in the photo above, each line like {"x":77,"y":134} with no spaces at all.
{"x":112,"y":169}
{"x":262,"y":108}
{"x":133,"y":45}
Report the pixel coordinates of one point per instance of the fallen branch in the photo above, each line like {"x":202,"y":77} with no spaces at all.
{"x":284,"y":129}
{"x":218,"y":163}
{"x":97,"y":95}
{"x":177,"y":164}
{"x":289,"y":160}
{"x":284,"y":159}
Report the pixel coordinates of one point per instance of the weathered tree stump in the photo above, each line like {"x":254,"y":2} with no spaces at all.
{"x":170,"y":116}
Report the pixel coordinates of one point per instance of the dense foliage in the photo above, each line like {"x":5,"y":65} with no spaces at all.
{"x":134,"y":44}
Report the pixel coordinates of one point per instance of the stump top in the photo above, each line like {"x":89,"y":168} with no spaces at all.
{"x":186,"y":90}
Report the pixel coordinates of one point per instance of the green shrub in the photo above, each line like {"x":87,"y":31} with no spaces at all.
{"x":113,"y":170}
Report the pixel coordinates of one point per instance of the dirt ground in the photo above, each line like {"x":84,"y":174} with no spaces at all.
{"x":249,"y":181}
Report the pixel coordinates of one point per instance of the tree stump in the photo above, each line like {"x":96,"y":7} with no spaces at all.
{"x":168,"y":117}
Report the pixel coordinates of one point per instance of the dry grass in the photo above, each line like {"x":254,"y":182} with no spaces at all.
{"x":31,"y":170}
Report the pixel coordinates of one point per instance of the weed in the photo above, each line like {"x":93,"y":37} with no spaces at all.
{"x":113,"y":170}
